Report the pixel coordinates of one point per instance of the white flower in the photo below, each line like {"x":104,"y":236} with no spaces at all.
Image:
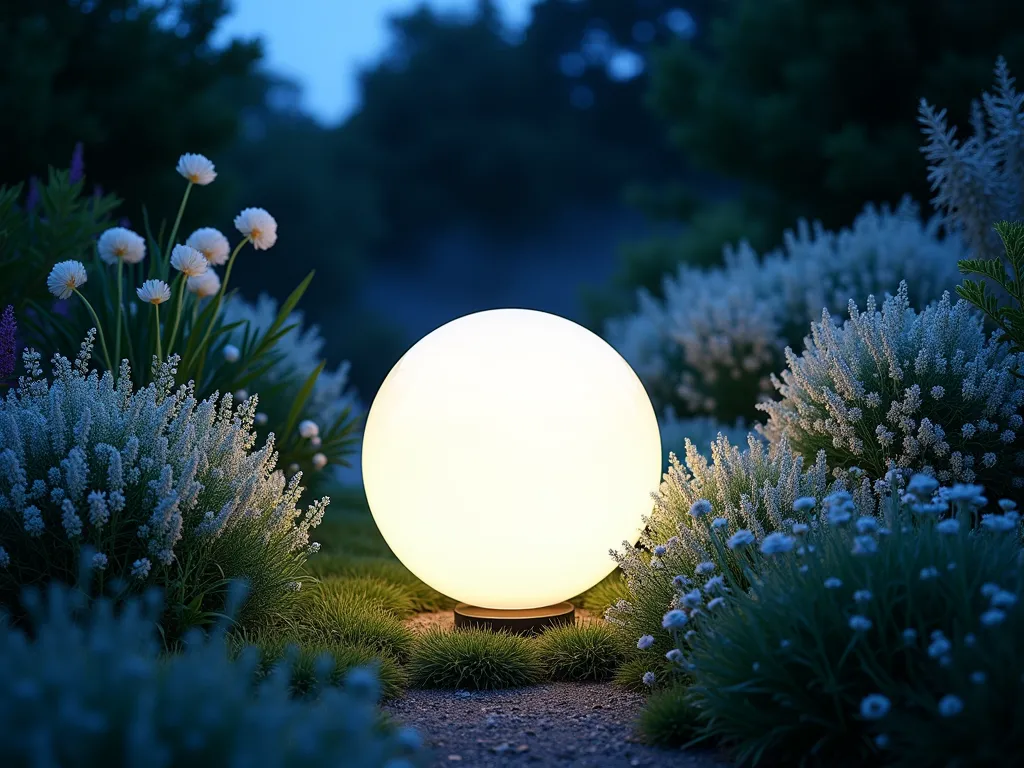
{"x":874,"y":706}
{"x":719,"y":522}
{"x":319,"y":461}
{"x":800,"y":528}
{"x":204,"y":285}
{"x":120,"y":244}
{"x":716,"y":602}
{"x":232,"y":354}
{"x":692,"y":599}
{"x":804,"y":504}
{"x":716,"y":584}
{"x":864,"y":545}
{"x":922,"y":486}
{"x":154,"y":292}
{"x":674,"y":619}
{"x":742,"y":538}
{"x":261,"y":419}
{"x":1007,"y":504}
{"x":1003,"y":599}
{"x":308,"y":428}
{"x":988,"y":589}
{"x":141,"y":568}
{"x":211,"y":243}
{"x":939,"y":646}
{"x":860,"y":623}
{"x":645,"y":642}
{"x":196,"y":168}
{"x":188,"y":261}
{"x":950,"y":705}
{"x":703,"y":568}
{"x":259,"y":226}
{"x":65,"y":277}
{"x":866,"y":524}
{"x":241,"y":395}
{"x":776,"y":543}
{"x":833,"y":583}
{"x":681,"y":582}
{"x":648,"y":679}
{"x":949,"y":527}
{"x":675,"y":656}
{"x":998,"y":523}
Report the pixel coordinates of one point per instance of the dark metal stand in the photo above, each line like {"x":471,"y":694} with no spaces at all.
{"x":526,"y":621}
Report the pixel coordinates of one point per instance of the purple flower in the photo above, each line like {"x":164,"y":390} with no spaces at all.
{"x":8,"y":343}
{"x":77,"y":170}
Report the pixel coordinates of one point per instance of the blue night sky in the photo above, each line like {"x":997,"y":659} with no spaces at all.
{"x":322,"y":43}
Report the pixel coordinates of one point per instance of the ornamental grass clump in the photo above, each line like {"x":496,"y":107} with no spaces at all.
{"x":474,"y":659}
{"x":169,"y":491}
{"x":92,"y":688}
{"x":581,"y":652}
{"x":870,"y":640}
{"x":927,"y":391}
{"x":697,"y":504}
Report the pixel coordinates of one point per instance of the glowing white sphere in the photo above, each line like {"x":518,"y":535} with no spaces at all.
{"x":506,"y":453}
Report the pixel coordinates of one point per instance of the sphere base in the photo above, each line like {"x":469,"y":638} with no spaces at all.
{"x":523,"y":621}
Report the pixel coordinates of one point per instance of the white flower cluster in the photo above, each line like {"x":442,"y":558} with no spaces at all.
{"x":712,"y":343}
{"x":302,"y":349}
{"x":146,"y":477}
{"x":979,"y":181}
{"x":100,"y":692}
{"x":753,"y":490}
{"x":924,"y":391}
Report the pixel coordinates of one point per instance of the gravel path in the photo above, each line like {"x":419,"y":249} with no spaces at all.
{"x":558,"y":724}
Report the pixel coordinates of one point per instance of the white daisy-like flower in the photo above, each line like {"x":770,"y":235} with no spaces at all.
{"x":154,"y":292}
{"x":188,"y":261}
{"x":308,"y":428}
{"x":211,"y":243}
{"x":65,"y":277}
{"x":120,"y":244}
{"x":196,"y":168}
{"x":205,"y":285}
{"x":319,"y":461}
{"x":232,"y":354}
{"x":259,"y":226}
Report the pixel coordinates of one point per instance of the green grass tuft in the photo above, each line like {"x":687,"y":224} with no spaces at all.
{"x":474,"y":660}
{"x":275,"y":649}
{"x":369,"y":591}
{"x":630,"y":674}
{"x":669,"y":718}
{"x":337,"y":618}
{"x":604,"y":594}
{"x":580,"y":652}
{"x":422,"y":597}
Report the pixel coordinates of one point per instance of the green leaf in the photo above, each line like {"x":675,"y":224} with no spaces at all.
{"x":300,"y":401}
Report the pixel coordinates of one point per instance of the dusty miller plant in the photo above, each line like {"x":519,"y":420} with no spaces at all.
{"x":168,"y":489}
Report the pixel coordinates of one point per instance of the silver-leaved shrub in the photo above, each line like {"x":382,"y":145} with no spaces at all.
{"x":710,"y":346}
{"x":168,"y":490}
{"x":89,"y":687}
{"x":927,"y":391}
{"x":889,"y":640}
{"x":753,"y":488}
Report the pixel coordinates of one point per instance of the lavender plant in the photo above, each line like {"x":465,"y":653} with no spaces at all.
{"x":91,"y":688}
{"x":169,"y":489}
{"x":865,"y":640}
{"x":925,"y":391}
{"x":750,"y":489}
{"x":320,"y":431}
{"x":979,"y":181}
{"x":710,"y":346}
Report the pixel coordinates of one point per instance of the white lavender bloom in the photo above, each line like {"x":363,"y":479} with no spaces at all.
{"x":141,"y":568}
{"x":645,"y":642}
{"x":860,"y":623}
{"x":741,"y":539}
{"x":875,"y":706}
{"x":950,"y":705}
{"x":33,"y":521}
{"x":824,"y":389}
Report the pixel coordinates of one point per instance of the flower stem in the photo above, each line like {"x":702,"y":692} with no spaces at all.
{"x":177,"y":222}
{"x":120,"y":299}
{"x":177,"y":314}
{"x":99,"y":329}
{"x":219,"y":299}
{"x":156,"y":319}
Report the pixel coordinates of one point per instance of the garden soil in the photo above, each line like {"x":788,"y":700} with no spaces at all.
{"x":556,"y":724}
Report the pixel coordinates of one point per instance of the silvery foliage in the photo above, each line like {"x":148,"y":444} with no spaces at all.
{"x":753,"y":488}
{"x":926,"y":391}
{"x":92,"y":688}
{"x":979,"y":181}
{"x":711,"y":344}
{"x":149,"y":478}
{"x":302,"y":350}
